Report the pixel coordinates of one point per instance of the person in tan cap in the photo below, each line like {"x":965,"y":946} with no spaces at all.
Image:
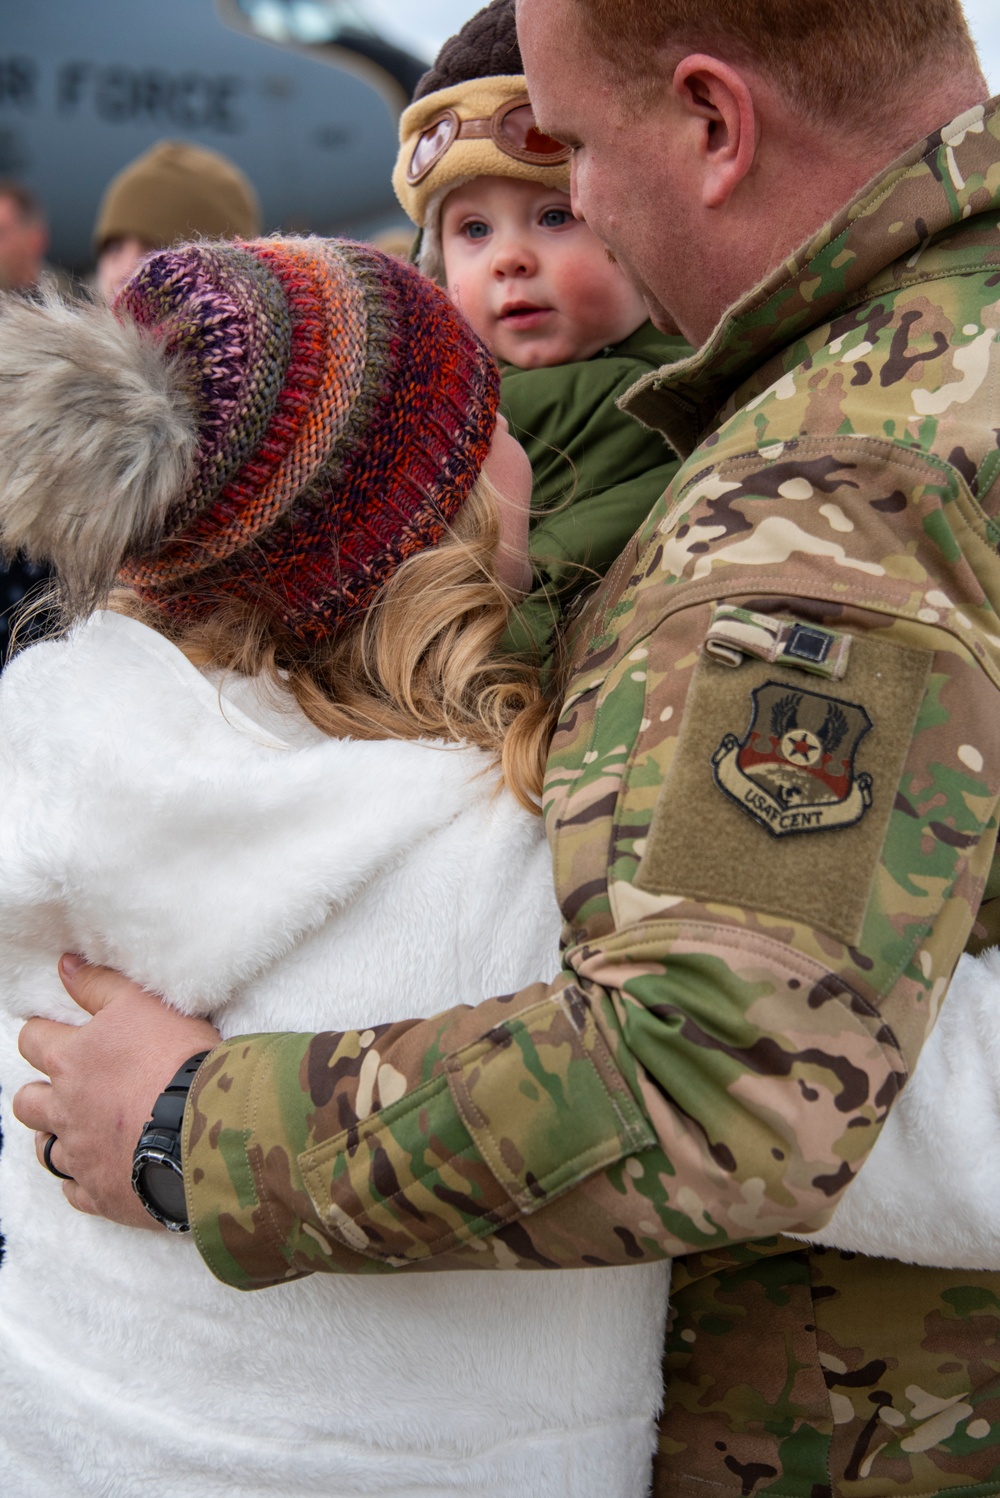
{"x":172,"y":192}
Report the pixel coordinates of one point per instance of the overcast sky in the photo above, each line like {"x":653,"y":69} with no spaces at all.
{"x":424,"y":25}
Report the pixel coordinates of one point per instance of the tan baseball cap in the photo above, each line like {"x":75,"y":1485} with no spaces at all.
{"x":176,"y":191}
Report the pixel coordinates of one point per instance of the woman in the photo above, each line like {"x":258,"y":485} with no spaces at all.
{"x":286,"y":759}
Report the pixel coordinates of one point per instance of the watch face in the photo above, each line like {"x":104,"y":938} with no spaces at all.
{"x":164,"y":1188}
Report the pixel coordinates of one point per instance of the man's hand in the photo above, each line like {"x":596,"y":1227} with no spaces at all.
{"x":104,"y":1077}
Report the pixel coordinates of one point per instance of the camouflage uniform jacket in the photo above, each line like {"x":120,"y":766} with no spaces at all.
{"x":771,"y":801}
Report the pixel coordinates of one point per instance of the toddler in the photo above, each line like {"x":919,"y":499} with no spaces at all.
{"x":491,"y":196}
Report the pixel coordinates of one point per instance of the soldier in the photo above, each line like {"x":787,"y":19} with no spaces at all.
{"x":771,"y":797}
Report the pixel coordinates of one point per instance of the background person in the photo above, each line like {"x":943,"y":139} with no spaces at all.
{"x":24,"y":237}
{"x":172,"y":192}
{"x":570,"y":332}
{"x":747,"y":981}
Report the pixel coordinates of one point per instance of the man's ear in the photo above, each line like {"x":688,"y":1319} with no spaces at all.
{"x":716,"y":97}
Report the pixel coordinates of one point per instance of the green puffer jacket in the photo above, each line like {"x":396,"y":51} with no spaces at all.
{"x":598,"y":473}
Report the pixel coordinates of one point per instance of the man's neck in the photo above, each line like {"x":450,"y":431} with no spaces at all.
{"x":805,"y":174}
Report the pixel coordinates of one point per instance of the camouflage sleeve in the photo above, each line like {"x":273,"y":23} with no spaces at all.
{"x":250,"y":1187}
{"x":771,"y":800}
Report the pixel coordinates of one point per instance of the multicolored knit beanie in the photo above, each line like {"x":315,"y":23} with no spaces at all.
{"x":324,"y":411}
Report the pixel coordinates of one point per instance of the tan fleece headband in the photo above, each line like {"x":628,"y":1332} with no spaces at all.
{"x":471,"y":120}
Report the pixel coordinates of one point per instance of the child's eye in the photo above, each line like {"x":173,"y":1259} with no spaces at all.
{"x":474,"y":228}
{"x":554,"y":218}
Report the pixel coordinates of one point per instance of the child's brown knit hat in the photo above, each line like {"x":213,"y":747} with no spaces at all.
{"x":478,"y":74}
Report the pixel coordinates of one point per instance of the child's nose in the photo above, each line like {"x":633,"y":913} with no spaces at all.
{"x":513,"y":257}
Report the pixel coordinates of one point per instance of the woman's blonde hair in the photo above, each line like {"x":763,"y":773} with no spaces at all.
{"x":422,"y":663}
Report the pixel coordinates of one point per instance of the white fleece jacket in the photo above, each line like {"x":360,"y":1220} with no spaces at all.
{"x":210,"y":843}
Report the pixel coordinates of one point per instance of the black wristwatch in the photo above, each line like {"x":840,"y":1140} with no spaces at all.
{"x":157,"y":1173}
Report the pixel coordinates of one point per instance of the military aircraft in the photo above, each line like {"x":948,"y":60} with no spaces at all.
{"x":303,"y":94}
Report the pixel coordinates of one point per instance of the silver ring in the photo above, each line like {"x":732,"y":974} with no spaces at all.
{"x":47,"y":1160}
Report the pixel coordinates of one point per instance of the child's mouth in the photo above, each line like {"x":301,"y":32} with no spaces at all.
{"x":523,"y":315}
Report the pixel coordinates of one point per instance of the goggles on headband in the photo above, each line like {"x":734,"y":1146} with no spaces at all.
{"x":511,"y":128}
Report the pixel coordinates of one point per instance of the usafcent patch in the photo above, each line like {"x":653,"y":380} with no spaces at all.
{"x":793,"y":770}
{"x":778,"y":796}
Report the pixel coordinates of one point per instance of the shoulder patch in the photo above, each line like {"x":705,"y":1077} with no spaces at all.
{"x":793,"y":770}
{"x":778,"y":797}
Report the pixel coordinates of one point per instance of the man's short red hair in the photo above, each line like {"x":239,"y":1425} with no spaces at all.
{"x":836,"y":60}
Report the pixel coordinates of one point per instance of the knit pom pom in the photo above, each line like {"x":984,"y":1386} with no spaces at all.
{"x":97,"y":439}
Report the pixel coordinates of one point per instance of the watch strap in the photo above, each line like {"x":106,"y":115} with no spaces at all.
{"x":168,"y":1110}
